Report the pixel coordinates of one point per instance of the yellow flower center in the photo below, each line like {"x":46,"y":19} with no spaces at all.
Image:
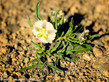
{"x":42,"y":33}
{"x":60,"y":11}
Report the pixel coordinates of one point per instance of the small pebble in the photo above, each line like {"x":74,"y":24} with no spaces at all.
{"x":86,"y":57}
{"x":97,"y":52}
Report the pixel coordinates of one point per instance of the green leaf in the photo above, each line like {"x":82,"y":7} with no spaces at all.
{"x":55,"y":47}
{"x":34,"y":49}
{"x":56,"y":13}
{"x":81,"y":48}
{"x":69,"y":49}
{"x":62,"y":34}
{"x":29,"y":22}
{"x":75,"y":28}
{"x":51,"y":15}
{"x":34,"y":60}
{"x":76,"y":40}
{"x":93,"y":36}
{"x":39,"y":60}
{"x":80,"y":29}
{"x":74,"y":59}
{"x":29,"y":67}
{"x":37,"y":11}
{"x":70,"y":28}
{"x":55,"y":19}
{"x":56,"y":61}
{"x":62,"y":19}
{"x":37,"y":45}
{"x":42,"y":72}
{"x":59,"y":55}
{"x":54,"y":67}
{"x":66,"y":58}
{"x":64,"y":48}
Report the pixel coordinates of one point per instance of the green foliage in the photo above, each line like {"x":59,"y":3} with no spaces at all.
{"x":70,"y":28}
{"x":29,"y":22}
{"x":29,"y":67}
{"x":64,"y":46}
{"x":37,"y":11}
{"x":55,"y":47}
{"x":72,"y":59}
{"x":93,"y":36}
{"x":69,"y":49}
{"x":37,"y":45}
{"x":81,"y":48}
{"x":54,"y":67}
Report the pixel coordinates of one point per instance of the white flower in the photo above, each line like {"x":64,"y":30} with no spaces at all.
{"x":44,"y":31}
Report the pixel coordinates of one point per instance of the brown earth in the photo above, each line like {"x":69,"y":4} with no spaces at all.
{"x":15,"y":37}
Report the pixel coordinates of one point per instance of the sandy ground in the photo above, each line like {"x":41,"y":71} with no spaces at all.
{"x":16,"y":36}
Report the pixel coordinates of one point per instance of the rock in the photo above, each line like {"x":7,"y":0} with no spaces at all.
{"x":105,"y":40}
{"x":10,"y":77}
{"x":67,"y":80}
{"x":3,"y":51}
{"x":13,"y":60}
{"x":26,"y":60}
{"x":97,"y":52}
{"x":5,"y":75}
{"x":86,"y":57}
{"x":72,"y":63}
{"x":97,"y":42}
{"x":17,"y":73}
{"x":102,"y":65}
{"x":57,"y":78}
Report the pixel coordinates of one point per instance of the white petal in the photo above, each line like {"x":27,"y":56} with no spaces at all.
{"x":49,"y":26}
{"x":35,"y":32}
{"x":38,"y":24}
{"x":43,"y":40}
{"x":51,"y":37}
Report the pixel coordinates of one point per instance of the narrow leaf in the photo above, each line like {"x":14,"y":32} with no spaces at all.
{"x":80,"y":29}
{"x":74,"y":59}
{"x":62,"y":19}
{"x":59,"y":55}
{"x":75,"y":28}
{"x":39,"y":60}
{"x":64,"y":48}
{"x":56,"y":61}
{"x":34,"y":49}
{"x":56,"y":13}
{"x":42,"y":72}
{"x":55,"y":18}
{"x":62,"y":34}
{"x":93,"y":36}
{"x":51,"y":15}
{"x":70,"y":28}
{"x":34,"y":60}
{"x":81,"y":48}
{"x":29,"y":67}
{"x":37,"y":11}
{"x":69,"y":49}
{"x":56,"y":46}
{"x":29,"y":22}
{"x":37,"y":45}
{"x":54,"y":67}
